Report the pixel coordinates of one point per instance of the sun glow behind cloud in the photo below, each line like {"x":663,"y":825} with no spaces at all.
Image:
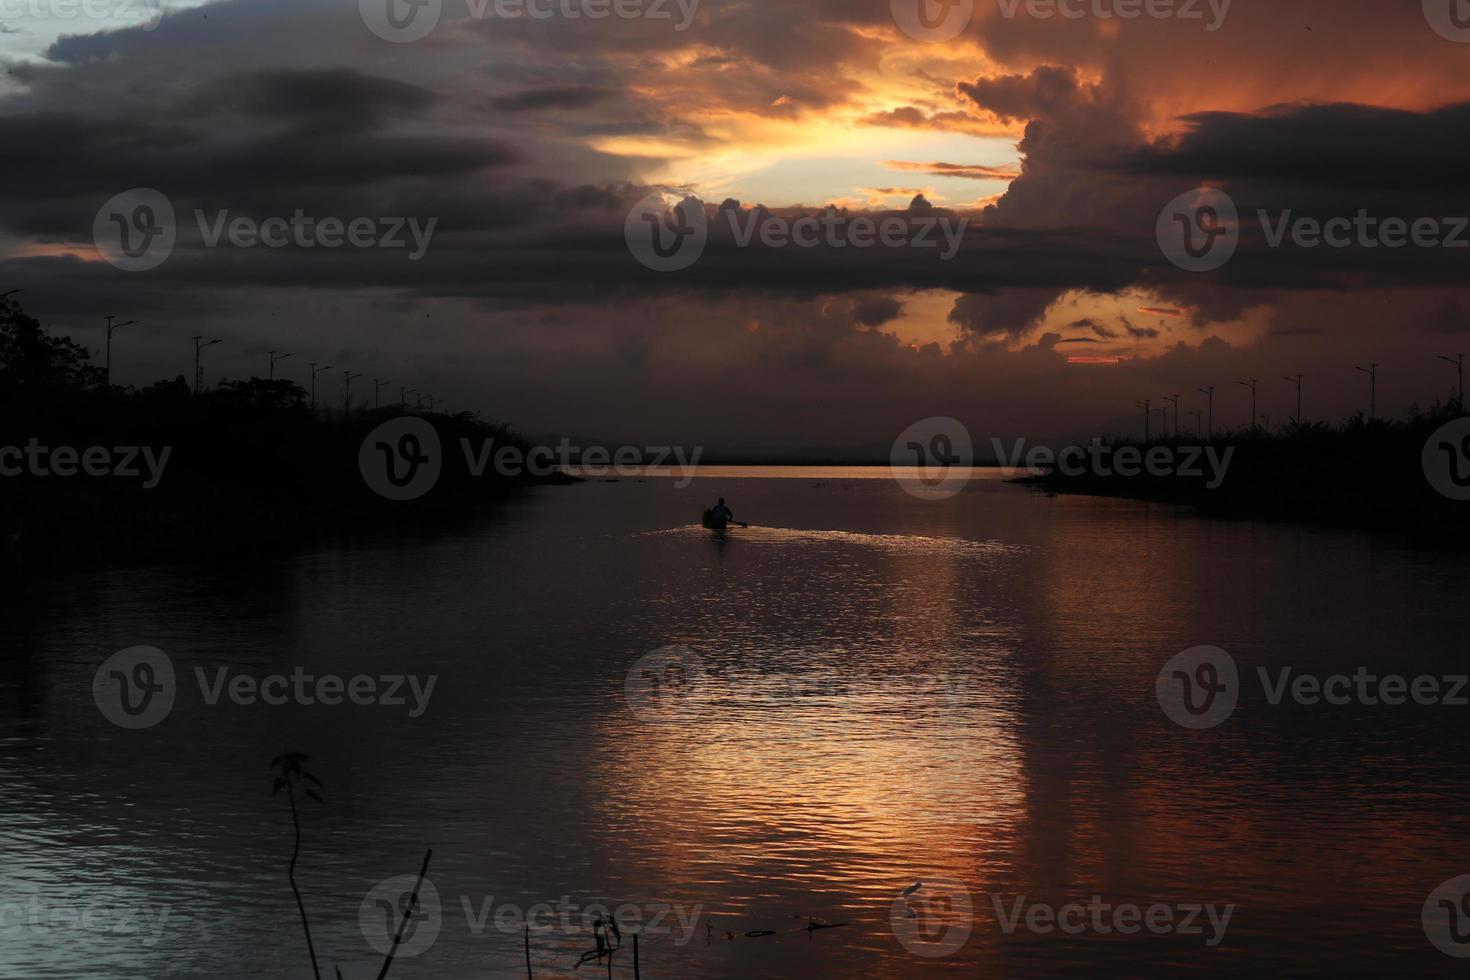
{"x":824,"y":143}
{"x":785,"y":162}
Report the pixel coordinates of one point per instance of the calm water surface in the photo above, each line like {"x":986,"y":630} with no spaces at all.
{"x":886,"y":691}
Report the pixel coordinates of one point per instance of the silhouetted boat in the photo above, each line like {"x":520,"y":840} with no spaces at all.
{"x":713,"y":523}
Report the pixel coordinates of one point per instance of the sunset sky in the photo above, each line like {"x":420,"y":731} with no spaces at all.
{"x":529,"y":140}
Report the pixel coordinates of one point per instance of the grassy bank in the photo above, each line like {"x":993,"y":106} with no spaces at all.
{"x":1361,"y":474}
{"x":249,"y":466}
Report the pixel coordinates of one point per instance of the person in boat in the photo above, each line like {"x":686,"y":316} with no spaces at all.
{"x":720,"y":515}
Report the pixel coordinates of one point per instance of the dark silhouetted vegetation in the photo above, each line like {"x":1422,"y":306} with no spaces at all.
{"x":1362,"y":474}
{"x":290,"y":774}
{"x":251,"y":466}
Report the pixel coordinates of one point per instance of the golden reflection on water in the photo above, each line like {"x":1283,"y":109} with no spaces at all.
{"x":823,"y":780}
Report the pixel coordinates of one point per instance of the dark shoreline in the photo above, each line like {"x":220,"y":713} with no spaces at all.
{"x":1364,"y":476}
{"x":205,"y":513}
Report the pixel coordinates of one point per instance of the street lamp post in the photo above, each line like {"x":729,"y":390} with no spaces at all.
{"x":1209,"y":390}
{"x":1459,"y":362}
{"x":198,"y":370}
{"x":276,"y":356}
{"x":107,"y":376}
{"x":347,"y":377}
{"x":314,"y":372}
{"x":1147,"y":406}
{"x":1175,"y":400}
{"x":1197,"y":423}
{"x":378,"y":389}
{"x":1372,"y":372}
{"x":1298,"y":382}
{"x":1251,"y":384}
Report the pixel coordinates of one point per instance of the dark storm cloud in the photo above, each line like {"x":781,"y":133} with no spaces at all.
{"x":1047,"y":91}
{"x":267,"y":105}
{"x":349,"y":140}
{"x":1354,"y":147}
{"x":328,"y":139}
{"x":969,"y":171}
{"x":335,"y":98}
{"x":544,"y":99}
{"x":1102,"y":331}
{"x":1139,"y":333}
{"x":1003,"y":315}
{"x":876,"y":311}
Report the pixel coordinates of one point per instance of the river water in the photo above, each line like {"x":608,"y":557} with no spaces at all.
{"x":730,"y":738}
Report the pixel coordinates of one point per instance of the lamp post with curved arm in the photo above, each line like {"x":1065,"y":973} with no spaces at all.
{"x":198,"y":368}
{"x":111,"y":328}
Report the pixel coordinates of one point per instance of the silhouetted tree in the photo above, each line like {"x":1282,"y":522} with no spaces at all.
{"x":31,"y":360}
{"x":261,"y":393}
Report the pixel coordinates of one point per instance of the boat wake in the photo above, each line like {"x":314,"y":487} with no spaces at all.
{"x":910,"y":543}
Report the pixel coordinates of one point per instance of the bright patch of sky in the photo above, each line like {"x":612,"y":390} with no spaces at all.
{"x":857,"y":171}
{"x":29,"y":27}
